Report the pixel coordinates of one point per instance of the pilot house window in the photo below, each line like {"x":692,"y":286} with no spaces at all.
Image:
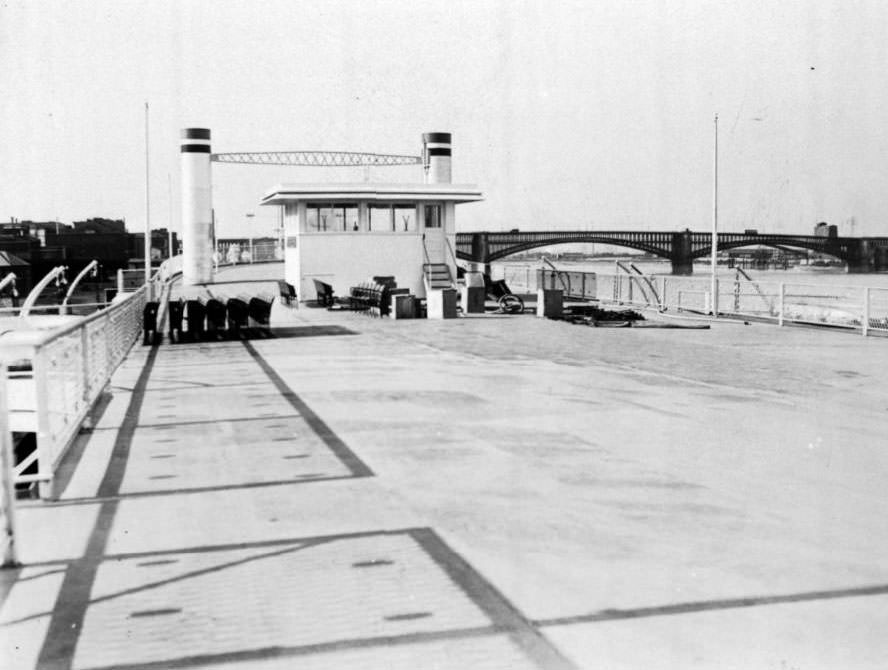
{"x":393,"y":218}
{"x":332,"y":217}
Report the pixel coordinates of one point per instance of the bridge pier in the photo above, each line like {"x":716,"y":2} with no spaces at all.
{"x":682,"y":261}
{"x":481,"y":250}
{"x":862,"y":256}
{"x":881,"y":259}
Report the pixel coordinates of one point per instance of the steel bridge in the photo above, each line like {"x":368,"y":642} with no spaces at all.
{"x":862,"y":254}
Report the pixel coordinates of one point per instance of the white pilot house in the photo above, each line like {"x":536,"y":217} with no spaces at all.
{"x":345,"y":234}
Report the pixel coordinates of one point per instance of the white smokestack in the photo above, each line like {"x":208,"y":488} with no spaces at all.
{"x":197,"y":207}
{"x":436,"y":157}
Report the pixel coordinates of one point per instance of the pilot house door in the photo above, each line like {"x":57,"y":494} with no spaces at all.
{"x":434,"y":234}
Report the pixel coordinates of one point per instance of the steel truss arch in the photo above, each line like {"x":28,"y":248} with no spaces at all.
{"x":315,"y":158}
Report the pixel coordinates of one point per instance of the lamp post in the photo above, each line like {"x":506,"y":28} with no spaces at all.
{"x":713,"y":290}
{"x":147,"y":212}
{"x":172,"y":252}
{"x":250,"y":215}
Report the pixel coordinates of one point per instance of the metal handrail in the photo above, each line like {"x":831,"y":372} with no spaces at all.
{"x":69,"y":368}
{"x":65,"y":330}
{"x":450,"y":249}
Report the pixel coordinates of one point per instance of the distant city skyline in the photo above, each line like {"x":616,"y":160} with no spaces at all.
{"x":567,"y":114}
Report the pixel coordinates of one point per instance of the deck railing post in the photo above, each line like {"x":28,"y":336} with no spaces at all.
{"x":44,"y":430}
{"x":781,"y":303}
{"x":7,"y":495}
{"x":866,"y":312}
{"x":715,"y":297}
{"x":85,"y":362}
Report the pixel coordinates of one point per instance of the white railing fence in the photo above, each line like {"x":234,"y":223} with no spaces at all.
{"x":69,"y":370}
{"x":231,"y":253}
{"x":852,"y":307}
{"x":520,"y":278}
{"x":876,"y":310}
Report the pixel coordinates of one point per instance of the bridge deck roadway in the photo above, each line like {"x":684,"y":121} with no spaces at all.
{"x":487,"y":493}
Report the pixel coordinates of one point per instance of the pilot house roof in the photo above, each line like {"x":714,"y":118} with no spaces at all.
{"x":457,"y":193}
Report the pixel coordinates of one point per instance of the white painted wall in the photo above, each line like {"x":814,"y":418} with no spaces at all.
{"x":346,"y":259}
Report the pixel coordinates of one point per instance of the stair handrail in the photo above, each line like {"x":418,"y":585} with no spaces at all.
{"x":453,"y":256}
{"x":425,"y":251}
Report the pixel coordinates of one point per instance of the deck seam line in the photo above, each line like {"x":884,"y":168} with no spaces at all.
{"x":342,"y":451}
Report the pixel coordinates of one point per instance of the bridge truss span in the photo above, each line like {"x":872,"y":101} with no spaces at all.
{"x":315,"y":158}
{"x":681,"y":248}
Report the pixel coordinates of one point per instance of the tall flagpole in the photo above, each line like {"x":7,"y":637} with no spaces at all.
{"x":713,"y":290}
{"x":147,"y":210}
{"x":172,"y":252}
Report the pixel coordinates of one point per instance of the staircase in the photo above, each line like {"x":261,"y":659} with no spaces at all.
{"x":437,"y":276}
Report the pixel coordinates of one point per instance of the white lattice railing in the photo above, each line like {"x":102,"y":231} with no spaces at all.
{"x":69,"y":368}
{"x":876,"y":302}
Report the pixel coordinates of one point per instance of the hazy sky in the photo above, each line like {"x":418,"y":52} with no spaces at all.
{"x":567,"y":114}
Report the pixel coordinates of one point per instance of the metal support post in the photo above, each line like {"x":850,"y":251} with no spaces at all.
{"x":44,"y":457}
{"x":84,"y":370}
{"x":7,"y":462}
{"x":663,"y":294}
{"x":781,"y":304}
{"x":715,"y":297}
{"x":864,"y":326}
